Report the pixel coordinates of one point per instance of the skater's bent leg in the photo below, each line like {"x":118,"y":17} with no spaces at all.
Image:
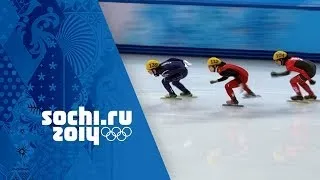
{"x":246,"y":88}
{"x":166,"y":85}
{"x":175,"y":79}
{"x":229,"y":88}
{"x":294,"y":83}
{"x":180,"y":86}
{"x":305,"y":86}
{"x":243,"y":81}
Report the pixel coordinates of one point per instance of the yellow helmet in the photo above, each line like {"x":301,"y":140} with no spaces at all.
{"x":213,"y":61}
{"x":279,"y":55}
{"x":151,"y":64}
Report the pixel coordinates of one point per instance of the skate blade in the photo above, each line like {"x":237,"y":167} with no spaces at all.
{"x":176,"y":98}
{"x":312,"y":100}
{"x":188,"y":96}
{"x":251,"y":97}
{"x":234,"y":105}
{"x":299,"y":101}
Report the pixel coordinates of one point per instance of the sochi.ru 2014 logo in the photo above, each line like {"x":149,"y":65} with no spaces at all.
{"x":84,"y":125}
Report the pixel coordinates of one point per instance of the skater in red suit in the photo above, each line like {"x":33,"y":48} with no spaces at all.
{"x":230,"y":70}
{"x":306,"y":70}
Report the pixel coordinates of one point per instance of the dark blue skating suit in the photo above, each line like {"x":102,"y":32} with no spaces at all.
{"x":173,"y":70}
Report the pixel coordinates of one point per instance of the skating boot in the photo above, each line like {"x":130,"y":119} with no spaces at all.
{"x":310,"y":97}
{"x":170,"y":96}
{"x":250,"y":95}
{"x":297,"y":98}
{"x":186,"y":94}
{"x":233,"y":102}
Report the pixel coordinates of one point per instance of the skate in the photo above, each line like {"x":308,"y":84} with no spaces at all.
{"x":170,"y":96}
{"x":297,"y":98}
{"x":187,"y":94}
{"x":250,"y":95}
{"x":310,"y":97}
{"x":233,"y":102}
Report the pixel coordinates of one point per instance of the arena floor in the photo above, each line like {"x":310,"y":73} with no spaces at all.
{"x":267,"y":139}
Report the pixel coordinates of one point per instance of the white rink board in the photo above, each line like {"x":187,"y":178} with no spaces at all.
{"x":267,"y":139}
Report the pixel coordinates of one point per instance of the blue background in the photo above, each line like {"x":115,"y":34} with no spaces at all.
{"x":231,"y":2}
{"x":58,"y":55}
{"x":242,"y":28}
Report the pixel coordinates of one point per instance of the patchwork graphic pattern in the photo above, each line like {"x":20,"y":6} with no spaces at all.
{"x":58,"y":55}
{"x":11,"y":89}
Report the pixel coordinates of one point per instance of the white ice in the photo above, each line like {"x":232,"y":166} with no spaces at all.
{"x":268,"y":139}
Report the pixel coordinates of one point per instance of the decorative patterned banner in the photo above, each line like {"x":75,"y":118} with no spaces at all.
{"x":59,"y":55}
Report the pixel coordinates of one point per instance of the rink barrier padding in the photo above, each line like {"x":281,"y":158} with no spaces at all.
{"x":223,"y":4}
{"x":208,"y":52}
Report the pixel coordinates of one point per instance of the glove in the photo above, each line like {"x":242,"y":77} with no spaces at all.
{"x":274,"y":74}
{"x":312,"y":82}
{"x":213,"y":81}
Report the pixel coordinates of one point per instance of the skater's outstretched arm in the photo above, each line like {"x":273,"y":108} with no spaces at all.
{"x":225,"y":75}
{"x":219,"y":80}
{"x":277,"y":74}
{"x":223,"y":78}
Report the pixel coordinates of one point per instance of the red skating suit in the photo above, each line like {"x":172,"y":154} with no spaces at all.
{"x":230,"y":70}
{"x":306,"y":70}
{"x":240,"y":75}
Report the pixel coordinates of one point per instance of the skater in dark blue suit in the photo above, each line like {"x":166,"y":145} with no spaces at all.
{"x":173,"y":70}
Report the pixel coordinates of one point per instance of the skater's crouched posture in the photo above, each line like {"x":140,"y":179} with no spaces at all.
{"x":306,"y":70}
{"x":173,"y":70}
{"x":230,"y":70}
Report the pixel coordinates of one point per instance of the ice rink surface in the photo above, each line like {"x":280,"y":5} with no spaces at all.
{"x":268,"y":139}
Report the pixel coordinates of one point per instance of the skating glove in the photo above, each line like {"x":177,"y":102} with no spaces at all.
{"x":274,"y":74}
{"x":213,"y":81}
{"x":312,"y":82}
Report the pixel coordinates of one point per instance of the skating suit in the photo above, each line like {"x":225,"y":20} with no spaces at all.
{"x":230,"y":70}
{"x":306,"y":69}
{"x":172,"y":69}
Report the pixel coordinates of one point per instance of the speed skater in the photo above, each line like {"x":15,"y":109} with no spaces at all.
{"x":306,"y":70}
{"x":173,"y":70}
{"x":227,"y":70}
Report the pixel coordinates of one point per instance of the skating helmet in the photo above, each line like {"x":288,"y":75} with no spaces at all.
{"x":278,"y":57}
{"x":213,"y":63}
{"x":152,"y":64}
